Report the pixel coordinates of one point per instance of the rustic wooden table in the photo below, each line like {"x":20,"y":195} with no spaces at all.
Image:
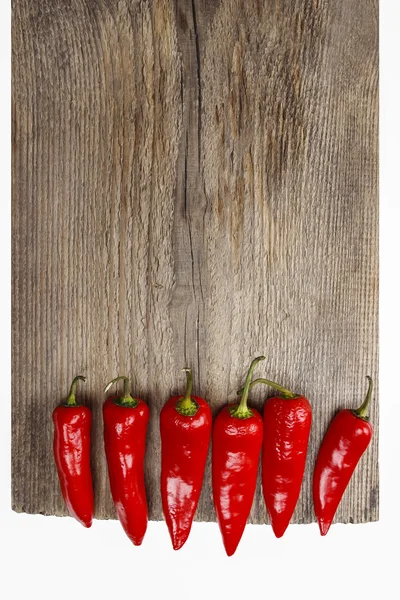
{"x":194,"y":183}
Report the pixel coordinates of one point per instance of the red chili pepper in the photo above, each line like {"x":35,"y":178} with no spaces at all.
{"x":347,"y":438}
{"x":287,"y":424}
{"x":185,"y":426}
{"x":237,"y":440}
{"x":72,"y":425}
{"x":125,"y":425}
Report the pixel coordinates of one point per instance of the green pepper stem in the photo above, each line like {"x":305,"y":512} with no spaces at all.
{"x":71,"y":400}
{"x":126,"y":399}
{"x":189,"y":385}
{"x":285,"y":393}
{"x":243,"y":411}
{"x":186,"y":406}
{"x":362,"y":410}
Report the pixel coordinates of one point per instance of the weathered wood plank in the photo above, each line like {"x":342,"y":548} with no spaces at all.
{"x":194,"y":183}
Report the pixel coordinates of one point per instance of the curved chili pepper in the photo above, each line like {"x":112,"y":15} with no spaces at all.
{"x":346,"y":440}
{"x":71,"y":445}
{"x":125,"y":425}
{"x":185,"y":427}
{"x":287,"y":425}
{"x":236,"y":445}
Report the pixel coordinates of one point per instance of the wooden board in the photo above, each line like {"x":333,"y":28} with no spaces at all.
{"x":194,"y":184}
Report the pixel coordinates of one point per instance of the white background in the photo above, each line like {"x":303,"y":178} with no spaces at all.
{"x":50,"y":557}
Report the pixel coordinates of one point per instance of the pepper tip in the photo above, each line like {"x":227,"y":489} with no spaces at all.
{"x":177,"y":544}
{"x":323,"y":527}
{"x":87,"y":524}
{"x":279,"y":532}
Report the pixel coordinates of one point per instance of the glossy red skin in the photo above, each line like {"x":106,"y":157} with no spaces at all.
{"x":125,"y":443}
{"x":346,"y":440}
{"x":71,"y":446}
{"x":287,"y":424}
{"x":185,"y":441}
{"x":236,"y":447}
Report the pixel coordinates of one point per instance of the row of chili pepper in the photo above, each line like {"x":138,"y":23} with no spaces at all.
{"x":238,"y":435}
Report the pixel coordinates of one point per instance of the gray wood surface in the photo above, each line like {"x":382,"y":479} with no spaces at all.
{"x":194,"y":183}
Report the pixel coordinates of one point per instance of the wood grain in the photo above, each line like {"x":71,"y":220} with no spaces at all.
{"x":194,"y":183}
